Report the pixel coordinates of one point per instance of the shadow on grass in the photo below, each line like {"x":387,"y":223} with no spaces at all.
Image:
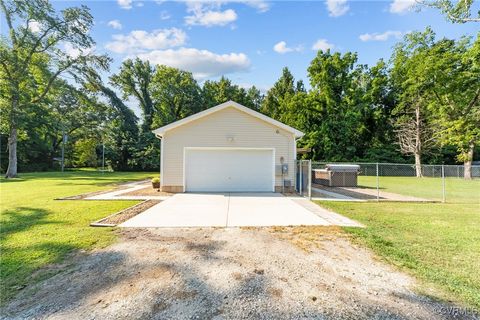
{"x":75,"y":175}
{"x":17,"y":272}
{"x":3,"y":180}
{"x":370,"y":187}
{"x":21,"y":219}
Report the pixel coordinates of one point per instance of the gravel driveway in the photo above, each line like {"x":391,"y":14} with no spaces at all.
{"x":226,"y":274}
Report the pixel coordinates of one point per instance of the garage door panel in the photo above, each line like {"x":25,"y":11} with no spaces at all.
{"x":228,"y":170}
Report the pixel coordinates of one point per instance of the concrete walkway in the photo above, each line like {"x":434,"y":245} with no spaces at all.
{"x":235,"y":210}
{"x":130,"y":187}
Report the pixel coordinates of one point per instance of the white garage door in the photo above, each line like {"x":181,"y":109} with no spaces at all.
{"x":234,"y":170}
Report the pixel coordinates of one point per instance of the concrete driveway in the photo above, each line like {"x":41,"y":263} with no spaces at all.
{"x":235,"y":210}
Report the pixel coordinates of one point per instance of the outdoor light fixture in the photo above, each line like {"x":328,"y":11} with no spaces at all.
{"x":229,"y":138}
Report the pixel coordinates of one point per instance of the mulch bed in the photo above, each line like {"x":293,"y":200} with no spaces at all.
{"x":124,"y":215}
{"x":148,"y":191}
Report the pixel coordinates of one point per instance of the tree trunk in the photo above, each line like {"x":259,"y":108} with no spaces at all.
{"x":418,"y":165}
{"x":12,"y":140}
{"x":12,"y":154}
{"x":467,"y":172}
{"x":418,"y":142}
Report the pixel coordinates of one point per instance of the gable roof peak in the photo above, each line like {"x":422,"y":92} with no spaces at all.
{"x":230,"y":103}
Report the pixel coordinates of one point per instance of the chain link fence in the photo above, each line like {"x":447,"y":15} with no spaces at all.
{"x":387,"y":182}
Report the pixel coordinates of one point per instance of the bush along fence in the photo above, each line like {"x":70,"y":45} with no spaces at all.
{"x":386,"y":182}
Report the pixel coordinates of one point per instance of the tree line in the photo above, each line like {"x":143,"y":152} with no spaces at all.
{"x":422,"y":105}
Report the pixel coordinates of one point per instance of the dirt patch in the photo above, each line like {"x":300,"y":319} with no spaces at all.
{"x":204,"y":273}
{"x":308,"y":238}
{"x":126,"y":214}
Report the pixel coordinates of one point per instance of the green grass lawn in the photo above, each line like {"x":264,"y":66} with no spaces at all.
{"x":37,"y":230}
{"x":457,"y":190}
{"x":438,"y":243}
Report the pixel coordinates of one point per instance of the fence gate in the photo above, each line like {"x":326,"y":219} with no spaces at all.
{"x":303,"y":178}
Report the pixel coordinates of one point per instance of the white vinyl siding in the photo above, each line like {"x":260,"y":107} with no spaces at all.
{"x":228,"y":128}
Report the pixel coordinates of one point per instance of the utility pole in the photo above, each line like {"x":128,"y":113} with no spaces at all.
{"x":103,"y":156}
{"x":443,"y":184}
{"x":64,"y":138}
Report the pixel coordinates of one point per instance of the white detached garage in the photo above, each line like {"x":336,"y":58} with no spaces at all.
{"x":227,"y":148}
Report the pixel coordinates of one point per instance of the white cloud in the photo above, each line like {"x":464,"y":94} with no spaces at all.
{"x":380,"y":36}
{"x":211,"y":18}
{"x":337,"y":8}
{"x":164,"y":15}
{"x":281,"y":47}
{"x":261,"y":6}
{"x":34,"y":26}
{"x":401,"y":6}
{"x":202,"y":63}
{"x":208,"y":14}
{"x":115,"y":24}
{"x":323,"y":45}
{"x":74,"y":52}
{"x":125,"y":4}
{"x":140,"y":40}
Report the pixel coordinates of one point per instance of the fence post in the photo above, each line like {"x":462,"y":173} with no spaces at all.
{"x":301,"y":177}
{"x":294,"y":176}
{"x":443,"y":184}
{"x":310,"y":179}
{"x":378,"y":183}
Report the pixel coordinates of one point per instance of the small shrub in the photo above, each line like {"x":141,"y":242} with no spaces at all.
{"x":156,"y":183}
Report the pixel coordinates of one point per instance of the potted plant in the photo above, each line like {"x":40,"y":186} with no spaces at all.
{"x":156,"y":183}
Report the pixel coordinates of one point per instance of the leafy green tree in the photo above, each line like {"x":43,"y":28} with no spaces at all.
{"x":455,"y":70}
{"x":336,"y":107}
{"x":74,"y":112}
{"x":134,"y":79}
{"x":121,"y":128}
{"x":176,"y":93}
{"x":378,"y":104}
{"x":254,"y":98}
{"x":412,"y":77}
{"x":223,"y":90}
{"x":85,"y":154}
{"x":31,"y":56}
{"x":455,"y":11}
{"x":64,"y":110}
{"x":277,"y":97}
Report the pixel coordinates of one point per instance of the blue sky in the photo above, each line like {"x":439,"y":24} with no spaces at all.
{"x":250,"y":41}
